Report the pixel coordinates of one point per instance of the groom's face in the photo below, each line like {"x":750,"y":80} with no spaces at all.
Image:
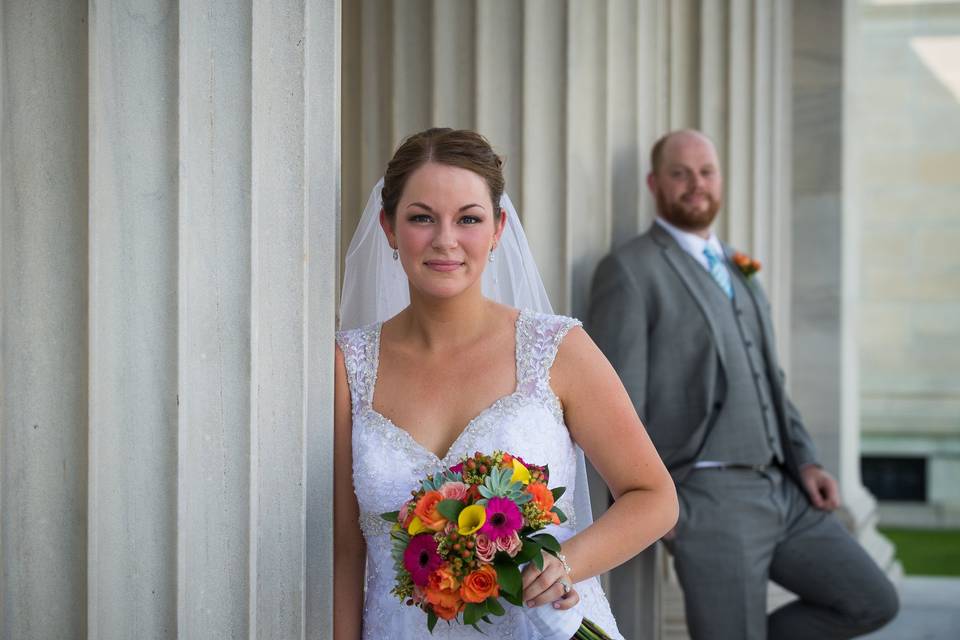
{"x":688,"y":186}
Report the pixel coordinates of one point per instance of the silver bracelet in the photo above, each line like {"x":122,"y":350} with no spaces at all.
{"x":563,"y":561}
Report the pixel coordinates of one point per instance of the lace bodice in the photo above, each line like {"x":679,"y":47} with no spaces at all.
{"x":388,"y":463}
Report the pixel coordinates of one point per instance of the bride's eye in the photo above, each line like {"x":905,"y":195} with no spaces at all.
{"x":471,"y":220}
{"x":419,"y":217}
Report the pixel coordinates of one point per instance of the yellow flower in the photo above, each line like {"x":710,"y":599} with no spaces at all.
{"x":416,"y":526}
{"x":520,"y":473}
{"x":471,"y":519}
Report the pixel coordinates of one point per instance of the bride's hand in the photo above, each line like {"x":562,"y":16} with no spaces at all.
{"x":550,"y":585}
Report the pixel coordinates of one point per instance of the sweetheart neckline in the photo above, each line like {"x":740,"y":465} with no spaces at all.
{"x":496,"y":403}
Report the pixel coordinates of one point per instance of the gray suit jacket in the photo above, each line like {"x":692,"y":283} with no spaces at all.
{"x":646,"y":318}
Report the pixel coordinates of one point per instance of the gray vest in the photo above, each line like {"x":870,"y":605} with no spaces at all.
{"x":745,"y":430}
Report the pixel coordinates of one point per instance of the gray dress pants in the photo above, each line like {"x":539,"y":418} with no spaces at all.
{"x":739,"y":528}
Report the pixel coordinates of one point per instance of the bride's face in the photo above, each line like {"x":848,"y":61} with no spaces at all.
{"x":444,"y":229}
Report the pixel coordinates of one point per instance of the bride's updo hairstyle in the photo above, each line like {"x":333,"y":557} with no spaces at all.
{"x":453,"y":147}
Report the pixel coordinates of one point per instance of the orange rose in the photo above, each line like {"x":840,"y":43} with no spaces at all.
{"x":445,"y":603}
{"x":442,"y":579}
{"x":480,"y":585}
{"x":747,"y":265}
{"x":543,"y":498}
{"x":426,"y":510}
{"x":445,"y":613}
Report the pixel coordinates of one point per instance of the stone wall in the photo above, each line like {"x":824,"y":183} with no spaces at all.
{"x":908,"y":174}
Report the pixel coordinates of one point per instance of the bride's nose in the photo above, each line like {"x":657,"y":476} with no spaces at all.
{"x":445,"y":236}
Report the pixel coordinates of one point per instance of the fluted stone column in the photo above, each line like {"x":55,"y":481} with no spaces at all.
{"x":169,"y":219}
{"x":132,"y":508}
{"x":826,"y":249}
{"x":213,"y":307}
{"x":43,"y":319}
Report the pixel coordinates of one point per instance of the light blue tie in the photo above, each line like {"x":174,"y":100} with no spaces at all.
{"x":719,"y":271}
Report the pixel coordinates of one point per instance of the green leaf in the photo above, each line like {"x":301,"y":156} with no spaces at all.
{"x":494,"y":606}
{"x":529,"y":550}
{"x":560,"y":514}
{"x":513,"y":599}
{"x":431,"y":621}
{"x":548,"y":542}
{"x":557,"y":492}
{"x":473,"y":612}
{"x":508,"y":577}
{"x":391,"y":516}
{"x":503,"y":557}
{"x":450,"y":509}
{"x":538,"y":561}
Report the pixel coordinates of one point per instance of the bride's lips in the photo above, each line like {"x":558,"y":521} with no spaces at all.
{"x":443,"y":265}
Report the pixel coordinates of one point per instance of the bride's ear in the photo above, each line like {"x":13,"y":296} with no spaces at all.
{"x":388,"y":229}
{"x":501,"y":225}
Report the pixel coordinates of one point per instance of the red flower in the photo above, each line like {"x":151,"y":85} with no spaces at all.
{"x":747,"y":265}
{"x":420,"y":558}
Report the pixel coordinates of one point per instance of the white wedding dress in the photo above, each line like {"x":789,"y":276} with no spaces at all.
{"x":388,"y":463}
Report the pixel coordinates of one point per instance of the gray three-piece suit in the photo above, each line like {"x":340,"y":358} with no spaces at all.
{"x":703,"y":373}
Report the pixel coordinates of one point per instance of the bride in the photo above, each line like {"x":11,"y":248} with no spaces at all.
{"x":432,"y":365}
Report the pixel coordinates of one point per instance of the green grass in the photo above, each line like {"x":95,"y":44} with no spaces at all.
{"x":927,"y":552}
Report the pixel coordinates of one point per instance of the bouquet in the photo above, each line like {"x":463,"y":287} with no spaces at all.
{"x":459,"y":542}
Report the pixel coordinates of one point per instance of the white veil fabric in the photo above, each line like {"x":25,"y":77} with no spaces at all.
{"x":375,"y":289}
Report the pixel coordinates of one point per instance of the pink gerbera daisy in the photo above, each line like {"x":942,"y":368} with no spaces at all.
{"x":420,"y":558}
{"x":503,"y":518}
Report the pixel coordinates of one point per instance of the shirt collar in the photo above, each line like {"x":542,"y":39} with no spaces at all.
{"x":692,"y":243}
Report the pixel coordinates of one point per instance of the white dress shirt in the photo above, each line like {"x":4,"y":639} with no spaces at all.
{"x":694,"y":244}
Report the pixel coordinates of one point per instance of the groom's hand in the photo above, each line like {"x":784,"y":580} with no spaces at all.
{"x":821,"y":487}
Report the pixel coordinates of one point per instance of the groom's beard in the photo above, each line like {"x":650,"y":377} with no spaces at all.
{"x":688,"y":216}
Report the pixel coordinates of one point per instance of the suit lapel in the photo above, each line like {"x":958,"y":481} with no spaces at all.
{"x":683,"y":264}
{"x":766,"y":326}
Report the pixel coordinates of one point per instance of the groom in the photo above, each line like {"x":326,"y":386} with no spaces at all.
{"x":689,"y":332}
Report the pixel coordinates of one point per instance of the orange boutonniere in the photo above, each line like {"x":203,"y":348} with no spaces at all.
{"x":747,"y":265}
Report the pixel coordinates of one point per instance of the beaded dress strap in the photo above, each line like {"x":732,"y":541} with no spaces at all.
{"x":360,"y":352}
{"x":539,"y":336}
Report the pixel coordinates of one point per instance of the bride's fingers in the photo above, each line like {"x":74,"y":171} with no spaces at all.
{"x":553,"y":593}
{"x":568,"y":601}
{"x":531,"y":573}
{"x":546,"y":582}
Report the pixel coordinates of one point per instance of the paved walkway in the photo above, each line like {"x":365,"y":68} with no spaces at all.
{"x":929,"y":610}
